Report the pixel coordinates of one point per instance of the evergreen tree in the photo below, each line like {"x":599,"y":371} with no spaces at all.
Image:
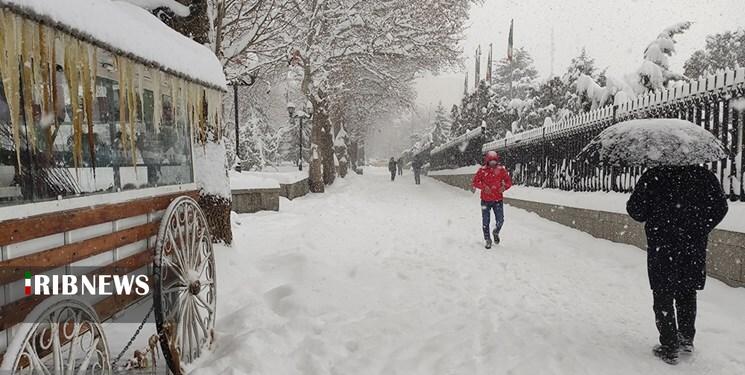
{"x":722,"y":51}
{"x":578,"y":102}
{"x":441,"y":126}
{"x":511,"y":94}
{"x":258,"y":143}
{"x":513,"y":79}
{"x":456,"y":126}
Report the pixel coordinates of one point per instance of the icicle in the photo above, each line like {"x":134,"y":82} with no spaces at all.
{"x":26,"y":40}
{"x":121,"y":67}
{"x":86,"y":55}
{"x":11,"y":76}
{"x":189,"y":114}
{"x":72,"y":74}
{"x":47,"y":109}
{"x":141,"y":89}
{"x":132,"y":106}
{"x":174,"y":99}
{"x":157,"y":100}
{"x":55,"y":93}
{"x":199,"y":106}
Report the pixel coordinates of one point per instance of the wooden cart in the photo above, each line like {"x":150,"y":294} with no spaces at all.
{"x":133,"y":123}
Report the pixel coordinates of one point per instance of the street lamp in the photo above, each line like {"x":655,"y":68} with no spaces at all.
{"x":301,"y":115}
{"x":235,"y":83}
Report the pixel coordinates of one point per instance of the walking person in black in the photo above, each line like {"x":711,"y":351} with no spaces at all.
{"x":392,"y":168}
{"x":416,"y":166}
{"x":679,"y":205}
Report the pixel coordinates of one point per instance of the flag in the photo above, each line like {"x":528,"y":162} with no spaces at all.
{"x":465,"y":86}
{"x":509,"y":42}
{"x":488,"y":66}
{"x":478,"y":68}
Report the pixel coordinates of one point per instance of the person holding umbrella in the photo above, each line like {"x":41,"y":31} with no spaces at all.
{"x":679,"y":202}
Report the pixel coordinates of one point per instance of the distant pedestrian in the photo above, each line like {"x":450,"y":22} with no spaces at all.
{"x":392,"y":168}
{"x":416,"y":166}
{"x":400,"y":164}
{"x":680,"y":205}
{"x":493,"y":180}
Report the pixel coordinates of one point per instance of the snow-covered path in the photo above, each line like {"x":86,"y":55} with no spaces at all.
{"x":375,"y":277}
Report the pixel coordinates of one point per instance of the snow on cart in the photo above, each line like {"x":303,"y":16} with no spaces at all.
{"x":102,"y":108}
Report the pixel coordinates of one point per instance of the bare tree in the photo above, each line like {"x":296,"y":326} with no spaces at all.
{"x":380,"y":38}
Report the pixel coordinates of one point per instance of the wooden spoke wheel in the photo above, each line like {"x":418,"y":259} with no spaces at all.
{"x":62,"y":337}
{"x":184,"y":295}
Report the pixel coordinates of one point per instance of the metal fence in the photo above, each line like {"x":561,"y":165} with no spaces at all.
{"x":545,"y":156}
{"x":459,"y":152}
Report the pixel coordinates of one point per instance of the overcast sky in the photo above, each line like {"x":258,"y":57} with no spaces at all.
{"x":615,"y":33}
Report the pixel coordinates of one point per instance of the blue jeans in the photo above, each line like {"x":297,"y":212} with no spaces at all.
{"x":486,"y":208}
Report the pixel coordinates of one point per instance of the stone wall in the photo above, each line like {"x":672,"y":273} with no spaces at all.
{"x":294,"y":190}
{"x":247,"y":201}
{"x":726,"y":252}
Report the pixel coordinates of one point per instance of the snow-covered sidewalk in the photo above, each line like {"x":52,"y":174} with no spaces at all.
{"x":380,"y":277}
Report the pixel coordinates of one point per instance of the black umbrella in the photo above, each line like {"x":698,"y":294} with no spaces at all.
{"x":653,"y":142}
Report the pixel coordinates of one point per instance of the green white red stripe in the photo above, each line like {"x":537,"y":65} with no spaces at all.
{"x":27,"y":288}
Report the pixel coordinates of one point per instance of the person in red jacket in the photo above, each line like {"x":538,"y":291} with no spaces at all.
{"x":492,"y":179}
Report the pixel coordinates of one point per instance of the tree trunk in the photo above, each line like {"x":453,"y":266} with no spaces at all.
{"x":323,"y":138}
{"x":315,"y":175}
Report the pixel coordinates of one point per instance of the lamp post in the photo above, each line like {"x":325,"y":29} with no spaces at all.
{"x":302,"y":116}
{"x":291,"y":112}
{"x":235,"y":83}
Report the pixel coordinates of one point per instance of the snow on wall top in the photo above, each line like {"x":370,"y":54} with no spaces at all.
{"x":129,"y":30}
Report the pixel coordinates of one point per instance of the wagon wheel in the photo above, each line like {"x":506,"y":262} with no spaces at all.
{"x":184,"y":296}
{"x":62,"y":336}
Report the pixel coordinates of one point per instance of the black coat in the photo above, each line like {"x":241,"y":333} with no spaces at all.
{"x":416,"y":165}
{"x":392,"y":165}
{"x":679,"y":206}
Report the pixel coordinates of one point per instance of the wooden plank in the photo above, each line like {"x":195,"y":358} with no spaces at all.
{"x":13,"y":269}
{"x":14,"y":312}
{"x":19,"y":230}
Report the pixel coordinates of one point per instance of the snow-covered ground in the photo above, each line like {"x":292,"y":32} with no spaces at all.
{"x":380,"y":277}
{"x":247,"y":180}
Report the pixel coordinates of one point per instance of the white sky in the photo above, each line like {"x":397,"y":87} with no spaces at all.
{"x":615,"y":33}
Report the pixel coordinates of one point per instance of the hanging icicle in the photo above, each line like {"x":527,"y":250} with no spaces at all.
{"x":72,"y":75}
{"x":46,"y":88}
{"x":157,"y":100}
{"x":121,"y":68}
{"x":174,"y":99}
{"x":11,"y":76}
{"x":25,"y":35}
{"x":87,"y":58}
{"x":132,"y":113}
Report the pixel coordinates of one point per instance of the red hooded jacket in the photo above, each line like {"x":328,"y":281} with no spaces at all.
{"x":492,"y":181}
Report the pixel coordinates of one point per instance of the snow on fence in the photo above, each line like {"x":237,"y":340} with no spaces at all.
{"x":545,"y":156}
{"x":458,"y":152}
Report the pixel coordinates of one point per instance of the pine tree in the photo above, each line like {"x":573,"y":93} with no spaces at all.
{"x":440,"y":127}
{"x":259,"y":142}
{"x":456,"y":126}
{"x":722,"y":51}
{"x":578,"y":102}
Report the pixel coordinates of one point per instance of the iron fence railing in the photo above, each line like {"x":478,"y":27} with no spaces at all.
{"x":545,"y":156}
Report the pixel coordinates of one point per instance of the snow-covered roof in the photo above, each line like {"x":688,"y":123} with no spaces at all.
{"x":128,"y":30}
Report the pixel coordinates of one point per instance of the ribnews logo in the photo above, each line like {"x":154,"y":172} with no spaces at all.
{"x":81,"y":285}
